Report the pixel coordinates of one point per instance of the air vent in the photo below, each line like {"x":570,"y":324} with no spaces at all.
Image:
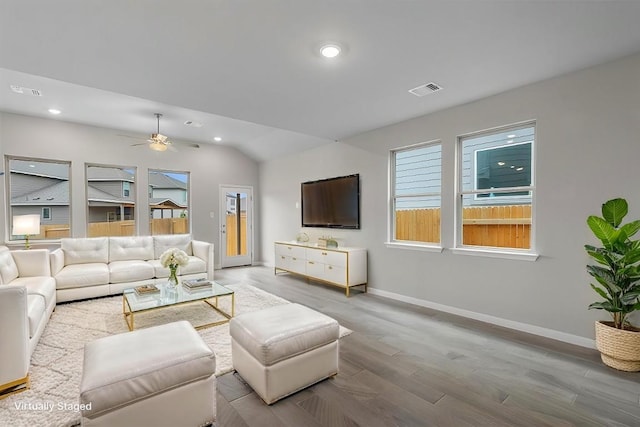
{"x":26,"y":91}
{"x":426,"y":89}
{"x":193,"y":124}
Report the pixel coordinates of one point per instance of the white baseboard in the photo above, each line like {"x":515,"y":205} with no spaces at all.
{"x":518,"y":326}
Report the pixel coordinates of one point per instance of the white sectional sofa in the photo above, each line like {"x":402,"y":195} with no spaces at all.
{"x":98,"y":266}
{"x":27,"y":299}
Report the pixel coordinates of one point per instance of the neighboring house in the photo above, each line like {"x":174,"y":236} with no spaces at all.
{"x":168,"y":197}
{"x":488,"y":162}
{"x":39,"y":188}
{"x":43,"y":188}
{"x":232,"y":203}
{"x":110,"y":194}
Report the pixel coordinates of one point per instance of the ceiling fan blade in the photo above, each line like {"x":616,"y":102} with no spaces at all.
{"x":142,"y":143}
{"x":187,"y":144}
{"x":132,"y":137}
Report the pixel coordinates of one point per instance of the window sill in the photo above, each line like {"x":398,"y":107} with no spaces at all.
{"x":413,"y":247}
{"x":496,"y":253}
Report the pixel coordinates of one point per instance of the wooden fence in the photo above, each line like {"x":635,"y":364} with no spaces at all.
{"x":498,"y":226}
{"x":232,"y":235}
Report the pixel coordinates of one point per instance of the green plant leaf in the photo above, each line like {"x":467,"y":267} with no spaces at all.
{"x":614,"y":211}
{"x":598,"y":254}
{"x":630,"y":298}
{"x":605,"y":305}
{"x":631,"y":228}
{"x":602,"y":230}
{"x":601,"y":292}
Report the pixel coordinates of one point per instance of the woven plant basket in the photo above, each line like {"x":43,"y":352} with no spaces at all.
{"x":619,"y":348}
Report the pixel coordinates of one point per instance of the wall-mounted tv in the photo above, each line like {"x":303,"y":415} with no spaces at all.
{"x":331,"y":203}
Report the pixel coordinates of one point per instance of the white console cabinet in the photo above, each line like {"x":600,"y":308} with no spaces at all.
{"x":344,"y":267}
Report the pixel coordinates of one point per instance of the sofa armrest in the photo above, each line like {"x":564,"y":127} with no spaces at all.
{"x":33,"y":262}
{"x":14,"y":333}
{"x":204,"y":251}
{"x":57,"y":261}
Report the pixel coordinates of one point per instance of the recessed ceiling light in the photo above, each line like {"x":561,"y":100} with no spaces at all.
{"x":54,"y":111}
{"x":500,"y":163}
{"x":330,"y":50}
{"x":217,"y":139}
{"x":511,"y":136}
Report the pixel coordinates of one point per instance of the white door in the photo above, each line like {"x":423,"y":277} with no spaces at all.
{"x":236,"y":225}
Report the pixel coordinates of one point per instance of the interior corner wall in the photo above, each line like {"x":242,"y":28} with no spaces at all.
{"x":587,"y":151}
{"x":209,"y":167}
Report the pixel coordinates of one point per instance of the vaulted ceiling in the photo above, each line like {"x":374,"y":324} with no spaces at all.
{"x":250,"y":71}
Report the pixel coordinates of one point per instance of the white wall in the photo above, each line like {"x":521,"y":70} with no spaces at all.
{"x":587,"y":151}
{"x":209,"y":165}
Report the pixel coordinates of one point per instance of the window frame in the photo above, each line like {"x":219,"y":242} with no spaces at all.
{"x":529,"y":254}
{"x":392,"y":241}
{"x":8,"y":207}
{"x":44,"y":217}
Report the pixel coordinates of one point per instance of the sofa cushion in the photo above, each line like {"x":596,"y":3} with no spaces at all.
{"x":80,"y":275}
{"x":129,"y":271}
{"x":130,"y":248}
{"x":195,"y":265}
{"x":43,"y":286}
{"x":8,"y":267}
{"x":168,"y":241}
{"x":85,"y":250}
{"x":35,"y":311}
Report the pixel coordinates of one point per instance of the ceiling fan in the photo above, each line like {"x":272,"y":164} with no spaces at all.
{"x":160,"y":142}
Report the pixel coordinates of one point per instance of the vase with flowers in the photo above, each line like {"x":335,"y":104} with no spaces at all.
{"x":172,"y":259}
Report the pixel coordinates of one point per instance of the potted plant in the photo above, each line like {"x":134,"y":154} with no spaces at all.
{"x":617,"y":273}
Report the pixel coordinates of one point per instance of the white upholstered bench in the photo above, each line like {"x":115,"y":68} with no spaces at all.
{"x":283,"y":349}
{"x":159,"y":376}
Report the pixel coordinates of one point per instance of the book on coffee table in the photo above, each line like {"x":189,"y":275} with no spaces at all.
{"x":196,"y":283}
{"x":146,"y":289}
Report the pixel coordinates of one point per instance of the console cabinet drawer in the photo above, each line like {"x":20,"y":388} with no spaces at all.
{"x":291,"y":250}
{"x":327,"y":257}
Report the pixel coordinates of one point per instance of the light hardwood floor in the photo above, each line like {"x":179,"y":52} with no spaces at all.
{"x":405,"y":365}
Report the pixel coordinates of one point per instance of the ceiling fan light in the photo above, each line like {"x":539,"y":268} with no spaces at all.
{"x":158,"y":146}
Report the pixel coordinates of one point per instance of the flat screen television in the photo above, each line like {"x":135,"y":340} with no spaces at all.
{"x":331,"y":203}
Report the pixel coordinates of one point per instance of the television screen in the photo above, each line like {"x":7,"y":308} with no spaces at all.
{"x":331,"y":203}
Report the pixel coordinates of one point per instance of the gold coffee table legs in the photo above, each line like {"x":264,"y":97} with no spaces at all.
{"x":129,"y":319}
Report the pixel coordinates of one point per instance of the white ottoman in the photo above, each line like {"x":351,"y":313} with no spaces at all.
{"x":283,"y":349}
{"x":160,"y":376}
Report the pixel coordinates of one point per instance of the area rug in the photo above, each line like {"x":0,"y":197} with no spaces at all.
{"x":56,"y":364}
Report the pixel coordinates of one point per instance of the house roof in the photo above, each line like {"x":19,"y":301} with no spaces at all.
{"x":160,"y":180}
{"x":53,"y":195}
{"x":98,"y":173}
{"x":96,"y":195}
{"x":165,"y":202}
{"x":43,"y":169}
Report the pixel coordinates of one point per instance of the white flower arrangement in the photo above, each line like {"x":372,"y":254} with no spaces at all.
{"x":174,"y":257}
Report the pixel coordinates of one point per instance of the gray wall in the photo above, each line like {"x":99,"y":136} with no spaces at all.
{"x":587,"y":151}
{"x":210,"y":166}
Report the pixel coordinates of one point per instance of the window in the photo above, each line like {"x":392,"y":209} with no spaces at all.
{"x":110,"y":212}
{"x":496,"y":188}
{"x":169,"y":202}
{"x":35,"y":187}
{"x":416,"y":186}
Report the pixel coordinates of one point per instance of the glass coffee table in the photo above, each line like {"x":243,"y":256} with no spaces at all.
{"x":170,"y":296}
